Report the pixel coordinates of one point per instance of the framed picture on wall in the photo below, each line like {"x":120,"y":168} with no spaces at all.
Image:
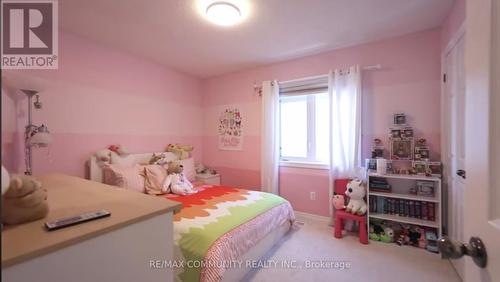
{"x":402,"y":149}
{"x":400,"y":119}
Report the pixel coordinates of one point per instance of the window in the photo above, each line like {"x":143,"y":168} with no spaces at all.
{"x":305,"y":128}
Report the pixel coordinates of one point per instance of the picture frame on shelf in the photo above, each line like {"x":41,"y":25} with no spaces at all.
{"x":425,"y":188}
{"x":402,"y":149}
{"x":377,"y":152}
{"x":435,"y":168}
{"x":420,"y":167}
{"x":371,"y":164}
{"x":390,"y":168}
{"x":395,"y":133}
{"x":407,"y":132}
{"x":422,"y":153}
{"x":400,"y":119}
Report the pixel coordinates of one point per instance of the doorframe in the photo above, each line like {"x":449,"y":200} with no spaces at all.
{"x":452,"y":43}
{"x":459,"y":33}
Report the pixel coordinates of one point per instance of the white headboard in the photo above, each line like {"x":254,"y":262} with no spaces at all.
{"x":95,"y":167}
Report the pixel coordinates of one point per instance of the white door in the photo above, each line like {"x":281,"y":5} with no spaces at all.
{"x":454,"y":143}
{"x":482,"y":124}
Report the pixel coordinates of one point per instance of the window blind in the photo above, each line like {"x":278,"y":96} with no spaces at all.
{"x":305,"y":86}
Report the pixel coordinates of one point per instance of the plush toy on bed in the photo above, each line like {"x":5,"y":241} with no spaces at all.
{"x":119,"y":149}
{"x":356,"y":193}
{"x":158,"y":159}
{"x":182,"y":151}
{"x":104,"y":155}
{"x":177,"y":181}
{"x":25,"y":200}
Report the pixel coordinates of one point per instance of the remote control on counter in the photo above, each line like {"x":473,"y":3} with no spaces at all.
{"x":73,"y":220}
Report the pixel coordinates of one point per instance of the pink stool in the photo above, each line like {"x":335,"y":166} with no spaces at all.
{"x":340,"y":215}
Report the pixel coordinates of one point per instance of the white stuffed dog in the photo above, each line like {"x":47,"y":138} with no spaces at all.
{"x":356,"y":193}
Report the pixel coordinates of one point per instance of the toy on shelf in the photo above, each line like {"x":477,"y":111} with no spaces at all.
{"x":380,"y":232}
{"x":431,"y":239}
{"x":377,"y":149}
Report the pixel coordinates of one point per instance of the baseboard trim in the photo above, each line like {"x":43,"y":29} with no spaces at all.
{"x":305,"y":215}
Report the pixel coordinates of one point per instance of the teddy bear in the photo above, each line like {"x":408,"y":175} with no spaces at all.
{"x":338,"y":202}
{"x":176,"y":181}
{"x":182,"y":151}
{"x":158,"y":159}
{"x":24,"y":201}
{"x":356,"y":193}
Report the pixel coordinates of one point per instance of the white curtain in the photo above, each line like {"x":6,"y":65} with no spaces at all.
{"x":344,"y":88}
{"x":270,"y":143}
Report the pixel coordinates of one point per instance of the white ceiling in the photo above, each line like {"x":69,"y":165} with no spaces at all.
{"x":173,"y":33}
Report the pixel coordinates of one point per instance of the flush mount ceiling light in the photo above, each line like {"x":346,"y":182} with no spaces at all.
{"x":223,"y":13}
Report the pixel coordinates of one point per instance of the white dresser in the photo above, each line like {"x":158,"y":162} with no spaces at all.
{"x":117,"y":248}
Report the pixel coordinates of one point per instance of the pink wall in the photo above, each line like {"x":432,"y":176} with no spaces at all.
{"x":455,"y":19}
{"x":9,"y":126}
{"x":97,"y":97}
{"x":409,"y":82}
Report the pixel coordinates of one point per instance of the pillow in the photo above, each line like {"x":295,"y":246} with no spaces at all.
{"x":128,"y":177}
{"x":189,"y":170}
{"x":154,"y":176}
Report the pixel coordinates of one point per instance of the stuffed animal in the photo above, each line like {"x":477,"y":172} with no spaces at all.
{"x":182,"y":151}
{"x":177,"y":181}
{"x":24,"y":201}
{"x":158,"y":159}
{"x":414,"y":236}
{"x":119,"y":149}
{"x":103,"y":156}
{"x":404,"y":235}
{"x":356,"y":193}
{"x":422,"y":243}
{"x":338,"y":202}
{"x":388,"y":236}
{"x":372,"y":235}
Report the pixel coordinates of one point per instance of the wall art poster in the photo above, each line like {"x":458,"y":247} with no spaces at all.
{"x":230,"y":130}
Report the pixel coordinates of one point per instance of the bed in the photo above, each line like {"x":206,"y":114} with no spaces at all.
{"x":221,"y":231}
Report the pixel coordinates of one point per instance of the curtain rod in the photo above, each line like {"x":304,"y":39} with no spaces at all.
{"x":365,"y":68}
{"x":258,"y":89}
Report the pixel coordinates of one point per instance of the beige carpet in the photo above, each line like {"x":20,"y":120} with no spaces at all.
{"x":377,"y":261}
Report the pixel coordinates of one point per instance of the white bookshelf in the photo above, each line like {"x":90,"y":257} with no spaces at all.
{"x":400,"y":189}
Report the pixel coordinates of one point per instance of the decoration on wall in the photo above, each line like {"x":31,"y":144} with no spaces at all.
{"x":230,"y":130}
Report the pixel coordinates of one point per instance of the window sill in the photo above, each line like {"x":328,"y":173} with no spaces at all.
{"x":304,"y":165}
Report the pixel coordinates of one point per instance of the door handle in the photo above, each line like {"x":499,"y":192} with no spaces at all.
{"x":461,"y":173}
{"x":453,"y":250}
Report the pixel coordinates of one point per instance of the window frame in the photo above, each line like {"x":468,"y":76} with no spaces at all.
{"x":310,"y":161}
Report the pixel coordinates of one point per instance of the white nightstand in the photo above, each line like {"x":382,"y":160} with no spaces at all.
{"x":213,"y":179}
